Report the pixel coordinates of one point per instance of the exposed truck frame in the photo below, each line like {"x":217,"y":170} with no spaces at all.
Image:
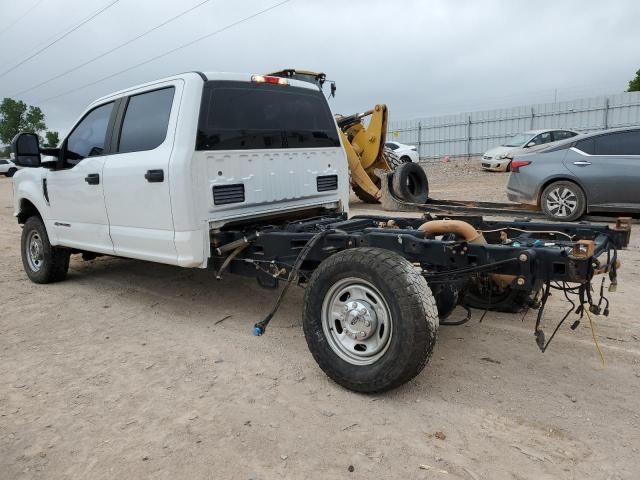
{"x":516,"y":261}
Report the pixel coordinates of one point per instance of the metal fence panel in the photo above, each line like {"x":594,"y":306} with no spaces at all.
{"x":470,"y":134}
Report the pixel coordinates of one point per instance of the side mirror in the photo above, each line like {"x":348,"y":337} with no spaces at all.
{"x":26,"y":150}
{"x":530,"y":144}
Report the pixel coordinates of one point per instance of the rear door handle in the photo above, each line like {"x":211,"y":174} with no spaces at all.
{"x":582,"y":163}
{"x":154,"y":176}
{"x":92,"y":179}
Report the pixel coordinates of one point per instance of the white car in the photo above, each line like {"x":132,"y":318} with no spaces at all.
{"x":498,"y":159}
{"x":406,"y":153}
{"x":7,"y":167}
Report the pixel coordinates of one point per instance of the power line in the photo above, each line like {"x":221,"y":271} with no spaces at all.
{"x":118,"y":47}
{"x":59,"y":38}
{"x":22,"y":16}
{"x":169,"y":52}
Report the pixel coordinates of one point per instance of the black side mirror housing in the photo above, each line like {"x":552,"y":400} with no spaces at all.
{"x":26,"y":150}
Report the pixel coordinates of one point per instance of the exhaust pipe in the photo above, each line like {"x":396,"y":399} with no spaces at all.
{"x":458,"y":227}
{"x":470,"y":234}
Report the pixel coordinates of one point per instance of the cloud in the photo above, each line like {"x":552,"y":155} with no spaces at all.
{"x":421,"y":58}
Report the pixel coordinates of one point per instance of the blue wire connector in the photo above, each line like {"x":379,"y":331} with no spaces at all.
{"x":258,"y":331}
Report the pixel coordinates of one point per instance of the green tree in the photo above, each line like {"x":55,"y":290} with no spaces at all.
{"x":52,"y":139}
{"x":634,"y":85}
{"x":16,"y":116}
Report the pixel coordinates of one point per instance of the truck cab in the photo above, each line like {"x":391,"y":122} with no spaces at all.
{"x":148,"y":172}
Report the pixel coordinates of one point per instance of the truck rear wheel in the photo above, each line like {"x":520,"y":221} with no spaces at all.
{"x":369,"y":319}
{"x":42,"y":262}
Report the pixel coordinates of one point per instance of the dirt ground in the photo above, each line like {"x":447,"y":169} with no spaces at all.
{"x":137,"y":370}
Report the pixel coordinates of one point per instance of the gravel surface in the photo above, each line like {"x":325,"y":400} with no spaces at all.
{"x":137,"y":370}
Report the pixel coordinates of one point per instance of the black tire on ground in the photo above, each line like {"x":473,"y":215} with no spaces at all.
{"x":509,"y":300}
{"x":42,"y":262}
{"x":410,"y":183}
{"x":12,"y":172}
{"x":563,"y":201}
{"x":364,"y":196}
{"x":508,"y":169}
{"x":372,"y":293}
{"x":405,"y":159}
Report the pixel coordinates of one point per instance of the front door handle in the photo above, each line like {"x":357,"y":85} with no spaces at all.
{"x":154,"y":176}
{"x":92,"y":179}
{"x":582,"y":163}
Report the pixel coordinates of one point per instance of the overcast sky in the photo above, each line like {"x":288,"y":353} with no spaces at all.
{"x":421,"y":58}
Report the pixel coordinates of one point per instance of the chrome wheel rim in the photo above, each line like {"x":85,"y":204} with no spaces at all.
{"x":35,"y":251}
{"x":356,"y":321}
{"x":562,"y":202}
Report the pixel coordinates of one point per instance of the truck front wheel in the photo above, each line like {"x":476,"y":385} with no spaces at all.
{"x":369,"y":319}
{"x":42,"y":262}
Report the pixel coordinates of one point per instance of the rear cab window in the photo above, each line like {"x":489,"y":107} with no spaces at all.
{"x":241,"y":115}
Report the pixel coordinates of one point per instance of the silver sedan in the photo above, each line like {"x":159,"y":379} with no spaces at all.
{"x":598,"y":171}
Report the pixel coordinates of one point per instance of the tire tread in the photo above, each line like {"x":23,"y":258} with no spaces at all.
{"x":416,"y":304}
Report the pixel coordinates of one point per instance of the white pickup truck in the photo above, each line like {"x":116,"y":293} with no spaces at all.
{"x":246,"y":174}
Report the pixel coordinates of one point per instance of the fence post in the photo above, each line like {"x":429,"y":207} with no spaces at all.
{"x":469,"y":136}
{"x":419,"y":140}
{"x":606,"y":113}
{"x":533,"y":115}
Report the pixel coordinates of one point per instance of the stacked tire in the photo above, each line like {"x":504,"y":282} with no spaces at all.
{"x":409,"y":183}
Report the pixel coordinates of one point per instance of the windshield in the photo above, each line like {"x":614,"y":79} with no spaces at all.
{"x":518,"y":140}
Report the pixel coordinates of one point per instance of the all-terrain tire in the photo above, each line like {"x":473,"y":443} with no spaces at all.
{"x":406,"y":297}
{"x":43,"y":263}
{"x":563,"y":191}
{"x":410,"y":183}
{"x":12,"y":172}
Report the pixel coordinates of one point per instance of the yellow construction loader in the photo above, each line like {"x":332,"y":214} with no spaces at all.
{"x":363,"y":137}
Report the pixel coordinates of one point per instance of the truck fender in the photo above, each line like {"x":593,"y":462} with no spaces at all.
{"x":29,"y":201}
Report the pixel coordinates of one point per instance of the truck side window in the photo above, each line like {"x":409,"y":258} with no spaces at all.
{"x":146,"y":120}
{"x":88,"y":137}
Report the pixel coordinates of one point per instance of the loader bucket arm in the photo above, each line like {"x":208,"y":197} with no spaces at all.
{"x":359,"y":176}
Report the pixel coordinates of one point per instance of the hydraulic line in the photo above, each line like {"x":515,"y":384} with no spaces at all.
{"x":260,"y":327}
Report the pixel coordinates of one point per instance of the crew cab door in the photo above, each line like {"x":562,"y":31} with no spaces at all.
{"x":74,"y":190}
{"x":136,"y":181}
